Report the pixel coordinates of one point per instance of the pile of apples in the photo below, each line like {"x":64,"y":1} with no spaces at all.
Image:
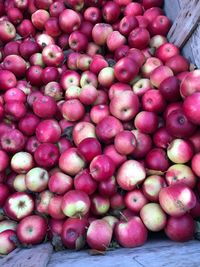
{"x":99,"y":125}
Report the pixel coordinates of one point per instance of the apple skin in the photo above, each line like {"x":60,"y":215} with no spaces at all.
{"x":32,"y":230}
{"x":143,"y":144}
{"x":177,"y":199}
{"x":159,"y":74}
{"x":75,"y":203}
{"x":178,"y":64}
{"x":180,"y":151}
{"x":19,"y":183}
{"x":153,"y":217}
{"x":83,"y":130}
{"x":42,"y":201}
{"x":4,"y":160}
{"x":70,"y":162}
{"x":191,"y":106}
{"x":6,"y":243}
{"x":180,"y":229}
{"x":180,"y":173}
{"x":157,"y":40}
{"x":18,"y":205}
{"x":116,"y":157}
{"x":89,"y":148}
{"x":108,"y":128}
{"x":130,"y":174}
{"x":99,"y":205}
{"x":139,"y":38}
{"x":146,"y":122}
{"x":60,"y":183}
{"x":156,"y":159}
{"x":7,"y":225}
{"x":100,"y":33}
{"x":7,"y":31}
{"x":74,"y":232}
{"x":4,"y":194}
{"x":166,"y":51}
{"x":150,"y":65}
{"x":106,"y":77}
{"x":111,"y":220}
{"x":141,"y":86}
{"x":190,"y":84}
{"x":37,"y":179}
{"x":73,"y":17}
{"x":135,"y":200}
{"x":46,"y":155}
{"x":124,"y":106}
{"x":99,"y":235}
{"x":195,"y":164}
{"x":152,"y":186}
{"x":125,"y":142}
{"x":160,"y":25}
{"x":102,"y":168}
{"x":54,"y":207}
{"x":131,"y":234}
{"x":170,"y":89}
{"x":126,"y":70}
{"x":22,"y":162}
{"x":7,"y":80}
{"x":83,"y":181}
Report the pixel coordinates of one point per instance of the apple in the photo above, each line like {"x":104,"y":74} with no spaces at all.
{"x":139,"y":38}
{"x":73,"y":110}
{"x":44,"y":107}
{"x":115,"y":40}
{"x":190,"y":83}
{"x":99,"y":235}
{"x":156,"y":159}
{"x":143,"y":144}
{"x":42,"y":201}
{"x":133,"y":9}
{"x":54,"y":90}
{"x":88,"y":78}
{"x":15,"y":15}
{"x":177,"y":64}
{"x":19,"y":205}
{"x":97,"y":64}
{"x":152,"y":186}
{"x":92,"y":14}
{"x":107,"y":188}
{"x":170,"y":89}
{"x":83,"y":181}
{"x":60,"y":183}
{"x":159,"y":25}
{"x":37,"y":179}
{"x":126,"y":70}
{"x":136,"y":55}
{"x":78,"y":41}
{"x":83,"y":130}
{"x":194,"y":139}
{"x":32,"y":230}
{"x":180,"y":229}
{"x":150,"y":65}
{"x":22,"y":162}
{"x":146,"y":122}
{"x":89,"y":148}
{"x":54,"y":207}
{"x":116,"y":157}
{"x":6,"y":243}
{"x":46,"y":155}
{"x":127,"y":24}
{"x":83,"y":62}
{"x":180,"y":151}
{"x":157,"y":40}
{"x":7,"y":31}
{"x":131,"y":234}
{"x":166,"y":51}
{"x":177,"y":199}
{"x":190,"y":107}
{"x":73,"y":17}
{"x":100,"y":33}
{"x":180,"y":173}
{"x":153,"y":217}
{"x":159,"y":74}
{"x":179,"y":125}
{"x":124,"y":106}
{"x":101,"y":168}
{"x":153,"y":101}
{"x":32,"y":144}
{"x":99,"y":205}
{"x":108,"y":128}
{"x":125,"y":142}
{"x":39,"y":18}
{"x":111,"y":12}
{"x":52,"y":55}
{"x":7,"y":80}
{"x":135,"y":200}
{"x":141,"y":86}
{"x":74,"y":233}
{"x":106,"y":77}
{"x":75,"y":204}
{"x":70,"y":162}
{"x":130,"y":174}
{"x":12,"y":141}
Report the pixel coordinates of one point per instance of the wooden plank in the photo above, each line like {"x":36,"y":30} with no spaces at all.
{"x":155,"y":253}
{"x":171,"y":9}
{"x":185,"y":23}
{"x":37,"y":256}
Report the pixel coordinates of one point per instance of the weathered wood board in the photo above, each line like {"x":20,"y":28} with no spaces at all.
{"x":191,"y":49}
{"x":157,"y":253}
{"x":38,"y":256}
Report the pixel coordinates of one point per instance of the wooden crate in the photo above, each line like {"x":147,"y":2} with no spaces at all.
{"x":185,"y":31}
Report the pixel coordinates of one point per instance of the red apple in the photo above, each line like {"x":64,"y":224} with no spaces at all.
{"x":131,"y":234}
{"x":139,"y":38}
{"x":6,"y":243}
{"x":99,"y":205}
{"x":177,"y":199}
{"x":83,"y":130}
{"x":69,"y":20}
{"x":83,"y":181}
{"x":32,"y":230}
{"x":195,"y":164}
{"x":190,"y":83}
{"x":60,"y":183}
{"x":54,"y":207}
{"x":180,"y":151}
{"x":75,"y":204}
{"x":135,"y":200}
